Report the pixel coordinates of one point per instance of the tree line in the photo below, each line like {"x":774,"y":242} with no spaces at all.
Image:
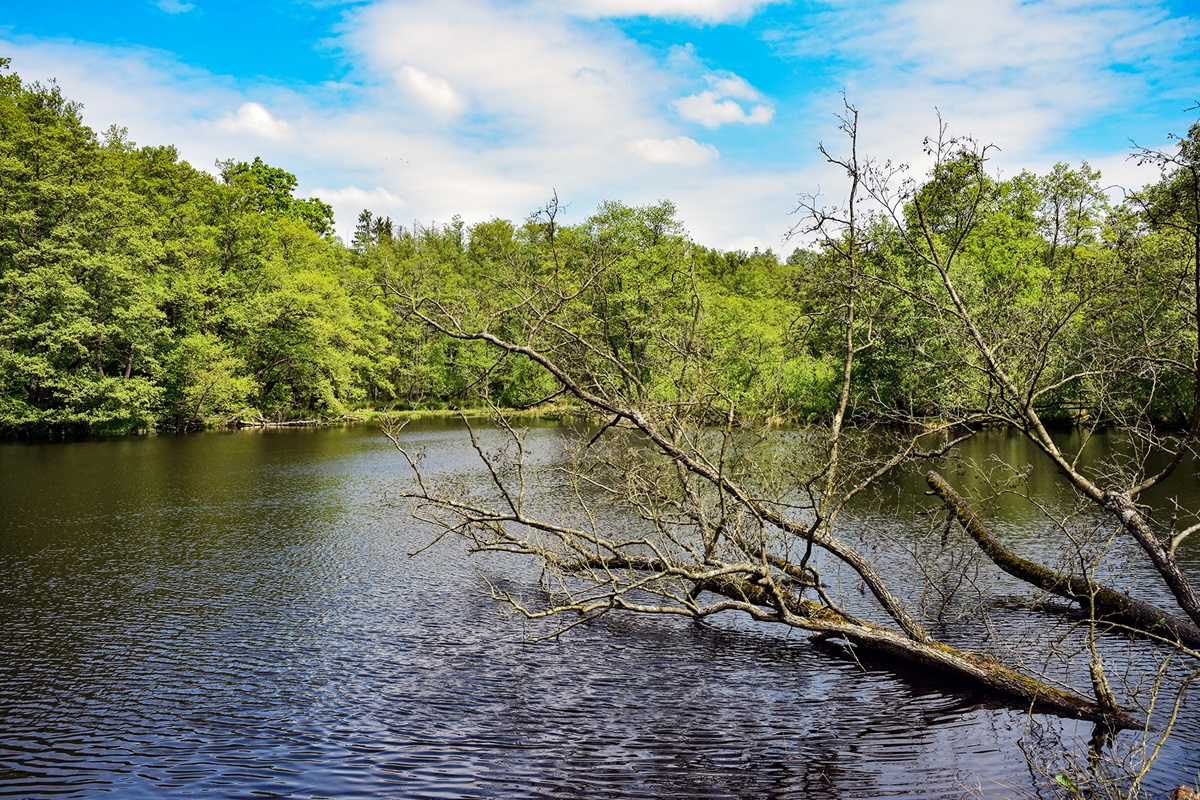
{"x":139,"y":292}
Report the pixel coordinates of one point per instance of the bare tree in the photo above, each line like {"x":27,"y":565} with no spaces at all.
{"x":1032,"y":370}
{"x":1103,"y":332}
{"x":714,"y":516}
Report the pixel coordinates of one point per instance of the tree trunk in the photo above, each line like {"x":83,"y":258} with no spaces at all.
{"x":1101,"y":601}
{"x":975,"y":669}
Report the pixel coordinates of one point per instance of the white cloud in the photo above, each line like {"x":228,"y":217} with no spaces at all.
{"x":373,"y":199}
{"x":434,"y":93}
{"x":528,"y":72}
{"x":680,"y":150}
{"x":158,"y":99}
{"x":709,"y":11}
{"x":711,"y":110}
{"x":546,"y":98}
{"x":1020,"y":73}
{"x":719,"y":105}
{"x":730,"y":85}
{"x":752,"y":210}
{"x":254,"y":119}
{"x":174,"y":6}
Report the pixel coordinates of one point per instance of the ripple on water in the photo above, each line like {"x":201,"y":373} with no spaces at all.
{"x":226,"y":619}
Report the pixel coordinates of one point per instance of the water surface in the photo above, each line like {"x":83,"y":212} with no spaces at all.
{"x":237,"y":615}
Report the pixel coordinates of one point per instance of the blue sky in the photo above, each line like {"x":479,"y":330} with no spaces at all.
{"x":423,"y":109}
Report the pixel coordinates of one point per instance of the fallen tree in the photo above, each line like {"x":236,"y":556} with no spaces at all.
{"x":676,"y":506}
{"x":664,"y":573}
{"x":711,"y":516}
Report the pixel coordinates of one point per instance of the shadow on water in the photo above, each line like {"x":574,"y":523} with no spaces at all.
{"x":236,"y":615}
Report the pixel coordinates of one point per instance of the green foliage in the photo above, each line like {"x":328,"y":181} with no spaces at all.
{"x":268,"y":190}
{"x":209,"y":384}
{"x":138,"y":292}
{"x":81,"y":327}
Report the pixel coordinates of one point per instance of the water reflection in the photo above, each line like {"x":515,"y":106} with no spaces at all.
{"x":236,"y":615}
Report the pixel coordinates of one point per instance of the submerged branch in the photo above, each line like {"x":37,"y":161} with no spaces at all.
{"x":1135,"y":615}
{"x":766,"y":601}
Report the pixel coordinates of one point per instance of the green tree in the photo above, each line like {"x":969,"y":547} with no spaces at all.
{"x":136,"y":291}
{"x":80,"y":327}
{"x":269,"y":190}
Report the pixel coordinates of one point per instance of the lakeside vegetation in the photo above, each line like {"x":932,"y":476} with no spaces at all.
{"x":139,"y":292}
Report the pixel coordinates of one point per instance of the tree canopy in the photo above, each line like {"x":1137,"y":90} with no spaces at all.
{"x":139,"y":292}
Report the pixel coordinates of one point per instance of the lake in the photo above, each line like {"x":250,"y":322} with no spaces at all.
{"x":237,"y":615}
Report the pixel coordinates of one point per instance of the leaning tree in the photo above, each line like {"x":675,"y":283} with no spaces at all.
{"x":945,"y":306}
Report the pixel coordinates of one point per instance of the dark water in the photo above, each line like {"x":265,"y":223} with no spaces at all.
{"x":236,"y":615}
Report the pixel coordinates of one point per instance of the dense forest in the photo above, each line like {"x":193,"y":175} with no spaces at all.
{"x":138,"y":292}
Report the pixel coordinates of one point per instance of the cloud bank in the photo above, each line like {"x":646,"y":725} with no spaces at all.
{"x":485,"y":108}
